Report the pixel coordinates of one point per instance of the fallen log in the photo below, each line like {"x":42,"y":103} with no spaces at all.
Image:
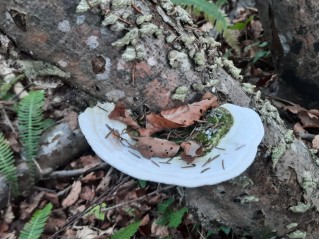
{"x":143,"y":64}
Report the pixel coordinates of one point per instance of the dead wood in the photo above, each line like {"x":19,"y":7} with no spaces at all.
{"x":262,"y":200}
{"x":292,"y":30}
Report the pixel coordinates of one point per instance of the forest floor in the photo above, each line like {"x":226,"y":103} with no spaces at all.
{"x":99,"y":201}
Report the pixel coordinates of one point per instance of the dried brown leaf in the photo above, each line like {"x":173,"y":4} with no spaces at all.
{"x":53,"y":198}
{"x":148,"y":131}
{"x":154,"y":147}
{"x":307,"y":120}
{"x":93,"y":176}
{"x":188,"y":114}
{"x":87,"y":193}
{"x":54,"y":223}
{"x":298,"y":129}
{"x":14,"y":144}
{"x":28,"y":208}
{"x":73,"y":195}
{"x":160,"y":122}
{"x":315,"y":142}
{"x":314,"y":112}
{"x":121,"y":114}
{"x":90,"y":161}
{"x":295,"y":109}
{"x":72,"y":119}
{"x":104,"y":184}
{"x":192,"y":150}
{"x":159,"y":231}
{"x":9,"y":216}
{"x":145,"y":220}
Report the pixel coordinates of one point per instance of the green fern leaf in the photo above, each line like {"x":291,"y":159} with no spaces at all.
{"x":127,"y":232}
{"x":175,"y":218}
{"x":210,"y":10}
{"x":163,"y":207}
{"x":34,"y":228}
{"x":30,"y":122}
{"x":7,"y":167}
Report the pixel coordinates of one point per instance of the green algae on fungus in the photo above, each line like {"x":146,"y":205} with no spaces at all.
{"x":219,"y":122}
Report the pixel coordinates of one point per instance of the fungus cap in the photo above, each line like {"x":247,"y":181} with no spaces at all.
{"x":237,"y":150}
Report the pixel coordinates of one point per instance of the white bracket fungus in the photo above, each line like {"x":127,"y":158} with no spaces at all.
{"x":234,"y":153}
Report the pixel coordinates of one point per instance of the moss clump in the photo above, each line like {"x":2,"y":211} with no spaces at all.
{"x":219,"y":121}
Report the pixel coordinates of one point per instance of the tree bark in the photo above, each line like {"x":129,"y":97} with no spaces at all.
{"x":261,"y":200}
{"x":292,"y":29}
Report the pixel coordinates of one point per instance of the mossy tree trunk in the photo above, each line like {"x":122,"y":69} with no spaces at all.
{"x":261,"y":200}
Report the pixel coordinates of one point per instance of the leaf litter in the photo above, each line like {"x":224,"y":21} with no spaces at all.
{"x":169,"y":123}
{"x":308,"y":126}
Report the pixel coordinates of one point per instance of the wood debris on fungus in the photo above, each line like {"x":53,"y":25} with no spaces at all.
{"x":192,"y":150}
{"x":178,"y":117}
{"x":210,"y":167}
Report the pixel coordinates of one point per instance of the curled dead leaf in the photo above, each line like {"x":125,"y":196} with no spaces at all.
{"x":314,"y":112}
{"x":308,"y":120}
{"x":73,"y":195}
{"x":121,"y":114}
{"x":155,"y":147}
{"x":160,"y":122}
{"x":188,"y":114}
{"x":295,"y":109}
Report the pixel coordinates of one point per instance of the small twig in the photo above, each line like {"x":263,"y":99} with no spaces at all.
{"x":133,"y":75}
{"x":155,"y":163}
{"x":48,"y":190}
{"x":210,"y":160}
{"x":306,"y":136}
{"x":75,"y":172}
{"x":102,"y":108}
{"x":240,"y":147}
{"x":134,"y":154}
{"x":64,"y":191}
{"x":189,"y":166}
{"x":204,"y":170}
{"x":223,"y":164}
{"x":137,"y":199}
{"x":98,"y":200}
{"x":136,"y":9}
{"x":167,"y":162}
{"x":8,"y":121}
{"x":123,"y":20}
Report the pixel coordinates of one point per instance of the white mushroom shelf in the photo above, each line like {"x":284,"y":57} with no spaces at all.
{"x":237,"y":150}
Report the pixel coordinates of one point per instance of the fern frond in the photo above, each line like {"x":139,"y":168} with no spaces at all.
{"x":127,"y":232}
{"x":176,"y":218}
{"x":30,"y":117}
{"x":7,"y":167}
{"x":211,"y":12}
{"x":34,"y":228}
